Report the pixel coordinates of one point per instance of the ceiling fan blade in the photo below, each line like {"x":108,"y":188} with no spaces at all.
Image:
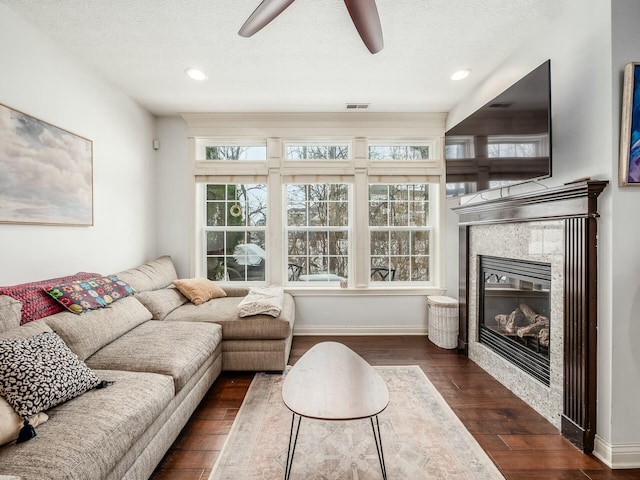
{"x":261,"y":16}
{"x":364,"y":14}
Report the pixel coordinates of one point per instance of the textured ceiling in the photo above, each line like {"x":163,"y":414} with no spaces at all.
{"x":310,"y":58}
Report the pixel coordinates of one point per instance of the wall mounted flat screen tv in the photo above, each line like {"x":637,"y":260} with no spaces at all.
{"x":505,"y":142}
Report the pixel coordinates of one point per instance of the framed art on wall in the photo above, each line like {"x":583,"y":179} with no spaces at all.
{"x":46,"y":173}
{"x":629,"y":170}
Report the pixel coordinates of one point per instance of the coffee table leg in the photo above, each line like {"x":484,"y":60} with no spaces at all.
{"x":291,"y":449}
{"x":378,"y":438}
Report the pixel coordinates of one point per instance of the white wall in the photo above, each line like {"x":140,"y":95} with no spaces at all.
{"x":175,"y":193}
{"x":46,"y":82}
{"x":625,"y":266}
{"x":586,"y":65}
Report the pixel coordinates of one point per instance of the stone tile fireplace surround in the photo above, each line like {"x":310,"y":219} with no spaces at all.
{"x":555,"y":226}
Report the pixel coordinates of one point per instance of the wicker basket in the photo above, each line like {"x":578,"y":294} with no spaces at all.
{"x":443,"y":321}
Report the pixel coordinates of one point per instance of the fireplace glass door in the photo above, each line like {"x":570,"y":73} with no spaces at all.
{"x":514,"y":314}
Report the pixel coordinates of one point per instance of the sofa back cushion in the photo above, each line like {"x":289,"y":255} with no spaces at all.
{"x":152,"y":275}
{"x":9,"y":313}
{"x":161,"y":302}
{"x":25,"y":331}
{"x":87,"y":333}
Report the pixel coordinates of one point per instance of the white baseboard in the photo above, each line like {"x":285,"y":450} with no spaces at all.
{"x":617,"y":456}
{"x":334,"y":330}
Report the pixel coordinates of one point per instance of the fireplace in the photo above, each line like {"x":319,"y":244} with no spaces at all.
{"x":514,"y":312}
{"x":556,"y":225}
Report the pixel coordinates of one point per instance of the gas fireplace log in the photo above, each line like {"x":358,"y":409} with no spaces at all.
{"x":510,"y":323}
{"x":534,"y":328}
{"x":543,"y":337}
{"x":531,"y":314}
{"x":523,"y":321}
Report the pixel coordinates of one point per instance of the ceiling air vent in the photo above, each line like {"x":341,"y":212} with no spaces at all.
{"x":357,"y":106}
{"x":500,"y":105}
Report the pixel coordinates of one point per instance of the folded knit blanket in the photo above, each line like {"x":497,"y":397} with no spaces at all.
{"x":262,"y":301}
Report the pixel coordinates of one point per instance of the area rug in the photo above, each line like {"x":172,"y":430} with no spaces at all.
{"x":421,"y":438}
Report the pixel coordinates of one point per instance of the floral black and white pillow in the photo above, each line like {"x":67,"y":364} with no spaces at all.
{"x":40,"y":372}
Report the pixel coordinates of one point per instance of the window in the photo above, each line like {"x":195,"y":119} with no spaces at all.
{"x":245,"y":151}
{"x":319,"y":202}
{"x":317,"y":226}
{"x":400,"y":232}
{"x":296,"y":151}
{"x":399,"y":152}
{"x":236,"y":221}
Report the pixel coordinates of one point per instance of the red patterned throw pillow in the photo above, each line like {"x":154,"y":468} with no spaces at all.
{"x":35,"y":301}
{"x":84,"y":295}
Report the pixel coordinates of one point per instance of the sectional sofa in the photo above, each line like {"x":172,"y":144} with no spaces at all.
{"x":155,"y":353}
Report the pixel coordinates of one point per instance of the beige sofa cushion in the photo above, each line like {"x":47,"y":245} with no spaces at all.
{"x":27,"y":330}
{"x":152,"y":275}
{"x":161,"y":302}
{"x":9,"y":313}
{"x":11,"y":423}
{"x":224,"y":311}
{"x":87,"y":333}
{"x":177,"y":349}
{"x":86,"y":437}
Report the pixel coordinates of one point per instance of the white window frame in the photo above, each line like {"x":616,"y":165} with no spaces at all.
{"x":278,"y":130}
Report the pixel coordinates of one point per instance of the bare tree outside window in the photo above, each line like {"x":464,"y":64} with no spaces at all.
{"x":317,"y":231}
{"x":398,"y":152}
{"x":234,"y":152}
{"x":317,"y":152}
{"x":400,"y":233}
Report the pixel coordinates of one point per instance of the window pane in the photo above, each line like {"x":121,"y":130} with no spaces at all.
{"x":338,"y":214}
{"x":378,"y":213}
{"x":235,"y":152}
{"x":318,"y":213}
{"x":316,"y":152}
{"x":398,"y":152}
{"x":420,"y":269}
{"x":379,"y":243}
{"x":399,"y":243}
{"x":399,"y":214}
{"x":420,"y":242}
{"x":419,"y":214}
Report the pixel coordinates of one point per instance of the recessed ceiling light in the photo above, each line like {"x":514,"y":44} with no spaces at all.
{"x":195,"y":74}
{"x":460,"y":74}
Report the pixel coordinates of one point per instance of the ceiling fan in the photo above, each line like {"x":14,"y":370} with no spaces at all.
{"x":364,"y":15}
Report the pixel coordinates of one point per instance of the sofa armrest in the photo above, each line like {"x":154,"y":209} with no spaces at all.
{"x":235,"y":291}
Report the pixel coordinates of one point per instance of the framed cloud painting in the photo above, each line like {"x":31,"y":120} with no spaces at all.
{"x":629,"y":171}
{"x":46,"y":173}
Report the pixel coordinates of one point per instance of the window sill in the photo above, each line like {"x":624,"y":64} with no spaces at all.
{"x":358,"y":292}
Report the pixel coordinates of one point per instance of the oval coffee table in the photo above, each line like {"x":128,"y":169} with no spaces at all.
{"x":332,"y":382}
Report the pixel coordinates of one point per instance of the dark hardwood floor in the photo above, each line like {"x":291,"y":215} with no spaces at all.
{"x":520,"y":442}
